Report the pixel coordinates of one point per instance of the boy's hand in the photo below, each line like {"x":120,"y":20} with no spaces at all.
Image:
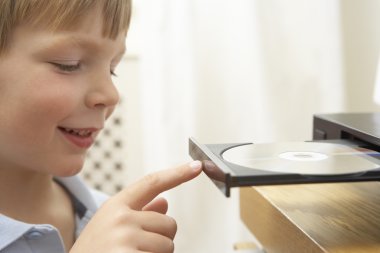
{"x":132,"y":220}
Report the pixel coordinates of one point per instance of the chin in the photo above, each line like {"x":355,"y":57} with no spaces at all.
{"x":68,"y":170}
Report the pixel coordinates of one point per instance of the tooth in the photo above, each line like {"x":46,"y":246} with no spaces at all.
{"x":77,"y":131}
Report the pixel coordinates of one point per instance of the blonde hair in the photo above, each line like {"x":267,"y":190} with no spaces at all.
{"x":61,"y":14}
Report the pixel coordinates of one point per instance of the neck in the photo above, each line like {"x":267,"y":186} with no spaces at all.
{"x":22,"y":191}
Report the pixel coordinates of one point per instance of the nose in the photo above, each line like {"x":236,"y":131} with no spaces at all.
{"x":102,"y":94}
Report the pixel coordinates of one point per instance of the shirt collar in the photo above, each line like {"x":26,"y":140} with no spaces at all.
{"x":80,"y":194}
{"x":11,"y":230}
{"x":83,"y":201}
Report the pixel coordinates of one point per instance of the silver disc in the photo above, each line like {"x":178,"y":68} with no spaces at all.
{"x":308,"y":158}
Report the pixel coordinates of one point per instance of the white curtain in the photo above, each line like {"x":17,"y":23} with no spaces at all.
{"x":229,"y":71}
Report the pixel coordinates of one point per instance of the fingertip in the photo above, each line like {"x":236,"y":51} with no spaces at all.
{"x":196,"y":165}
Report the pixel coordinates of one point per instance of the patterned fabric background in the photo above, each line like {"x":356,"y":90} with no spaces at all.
{"x":105,"y":165}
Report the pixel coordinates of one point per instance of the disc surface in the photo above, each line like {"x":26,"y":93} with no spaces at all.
{"x":309,"y":158}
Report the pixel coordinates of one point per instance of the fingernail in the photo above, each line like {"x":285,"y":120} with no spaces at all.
{"x":195,"y":165}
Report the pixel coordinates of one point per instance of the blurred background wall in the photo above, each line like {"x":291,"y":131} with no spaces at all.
{"x":230,"y":71}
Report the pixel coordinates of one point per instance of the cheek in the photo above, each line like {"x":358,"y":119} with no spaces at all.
{"x":52,"y":96}
{"x":36,"y":107}
{"x":28,"y":125}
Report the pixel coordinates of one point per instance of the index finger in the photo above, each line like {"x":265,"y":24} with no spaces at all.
{"x":140,"y":193}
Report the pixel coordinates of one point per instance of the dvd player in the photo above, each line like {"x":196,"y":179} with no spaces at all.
{"x":344,"y":149}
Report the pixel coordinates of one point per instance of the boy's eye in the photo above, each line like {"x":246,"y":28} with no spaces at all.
{"x":66,"y":67}
{"x":73,"y":67}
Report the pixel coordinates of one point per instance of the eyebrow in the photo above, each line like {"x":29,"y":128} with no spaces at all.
{"x":79,"y":42}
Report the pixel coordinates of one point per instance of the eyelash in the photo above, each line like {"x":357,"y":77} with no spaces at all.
{"x":68,"y":68}
{"x":113,"y":73}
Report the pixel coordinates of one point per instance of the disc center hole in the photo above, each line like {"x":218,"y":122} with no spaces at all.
{"x":302,"y":155}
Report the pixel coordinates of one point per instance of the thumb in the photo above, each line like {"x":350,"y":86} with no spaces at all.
{"x":139,"y":194}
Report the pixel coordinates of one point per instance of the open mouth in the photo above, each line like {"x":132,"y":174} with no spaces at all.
{"x":80,"y":137}
{"x":76,"y":132}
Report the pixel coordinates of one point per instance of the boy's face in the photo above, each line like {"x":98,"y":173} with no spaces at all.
{"x":55,"y":94}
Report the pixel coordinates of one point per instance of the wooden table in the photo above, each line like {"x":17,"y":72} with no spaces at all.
{"x":339,"y":217}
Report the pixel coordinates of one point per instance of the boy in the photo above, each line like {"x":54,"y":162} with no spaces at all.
{"x":56,"y":62}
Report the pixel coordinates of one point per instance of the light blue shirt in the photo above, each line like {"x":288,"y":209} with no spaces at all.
{"x":20,"y":237}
